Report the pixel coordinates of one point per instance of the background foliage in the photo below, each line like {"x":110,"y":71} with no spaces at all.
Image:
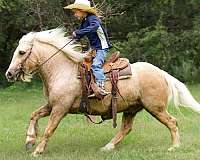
{"x":165,"y":33}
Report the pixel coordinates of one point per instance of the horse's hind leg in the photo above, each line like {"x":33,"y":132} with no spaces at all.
{"x":32,"y":131}
{"x":171,"y":123}
{"x":126,"y":127}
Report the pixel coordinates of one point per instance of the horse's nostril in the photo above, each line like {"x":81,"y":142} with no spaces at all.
{"x":9,"y":74}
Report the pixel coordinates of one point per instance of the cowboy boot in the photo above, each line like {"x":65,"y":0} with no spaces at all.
{"x":99,"y":90}
{"x":102,"y":88}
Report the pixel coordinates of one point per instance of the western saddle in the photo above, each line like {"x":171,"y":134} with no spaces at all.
{"x":115,"y":68}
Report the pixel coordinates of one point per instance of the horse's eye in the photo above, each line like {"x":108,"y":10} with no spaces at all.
{"x":22,"y":52}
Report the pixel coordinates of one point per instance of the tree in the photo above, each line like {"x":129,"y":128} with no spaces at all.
{"x":165,"y":32}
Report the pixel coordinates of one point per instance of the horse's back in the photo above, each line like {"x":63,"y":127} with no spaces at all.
{"x":153,"y":86}
{"x":144,"y":66}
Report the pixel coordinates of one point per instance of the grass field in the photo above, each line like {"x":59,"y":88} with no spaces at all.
{"x":75,"y":139}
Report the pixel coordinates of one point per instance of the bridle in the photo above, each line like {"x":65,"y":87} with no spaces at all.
{"x":22,"y":64}
{"x":22,"y":69}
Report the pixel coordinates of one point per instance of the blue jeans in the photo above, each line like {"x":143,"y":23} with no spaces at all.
{"x":97,"y":64}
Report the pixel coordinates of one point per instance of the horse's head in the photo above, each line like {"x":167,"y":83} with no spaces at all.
{"x":30,"y":52}
{"x":21,"y":64}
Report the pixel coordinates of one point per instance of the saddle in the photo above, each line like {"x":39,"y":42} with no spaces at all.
{"x":115,"y":68}
{"x":114,"y":62}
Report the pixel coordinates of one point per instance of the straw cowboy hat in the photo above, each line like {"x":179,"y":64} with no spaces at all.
{"x":83,"y":5}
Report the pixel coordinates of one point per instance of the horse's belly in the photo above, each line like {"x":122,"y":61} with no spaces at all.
{"x":128,"y":90}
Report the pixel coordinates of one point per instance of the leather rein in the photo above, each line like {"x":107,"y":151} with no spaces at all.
{"x":22,"y":68}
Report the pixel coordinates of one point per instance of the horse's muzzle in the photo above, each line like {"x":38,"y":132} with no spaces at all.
{"x":12,"y":75}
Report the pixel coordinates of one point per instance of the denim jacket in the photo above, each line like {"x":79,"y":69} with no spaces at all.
{"x":91,"y":27}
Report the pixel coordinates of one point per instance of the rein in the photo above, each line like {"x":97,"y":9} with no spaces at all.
{"x":40,"y":65}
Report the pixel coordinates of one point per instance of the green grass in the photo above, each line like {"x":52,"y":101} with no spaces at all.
{"x":75,"y":139}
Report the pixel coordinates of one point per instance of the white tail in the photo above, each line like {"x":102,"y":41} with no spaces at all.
{"x":180,"y":94}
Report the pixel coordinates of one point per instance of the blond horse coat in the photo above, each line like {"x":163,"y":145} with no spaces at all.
{"x":149,"y":88}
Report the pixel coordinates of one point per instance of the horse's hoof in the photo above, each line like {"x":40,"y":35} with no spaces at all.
{"x":108,"y":147}
{"x":29,"y":146}
{"x":35,"y":154}
{"x":173,"y":148}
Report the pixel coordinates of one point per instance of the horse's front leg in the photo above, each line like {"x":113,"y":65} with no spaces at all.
{"x":32,"y":131}
{"x":57,"y":113}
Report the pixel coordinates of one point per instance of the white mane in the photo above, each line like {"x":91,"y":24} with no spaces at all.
{"x":56,"y":37}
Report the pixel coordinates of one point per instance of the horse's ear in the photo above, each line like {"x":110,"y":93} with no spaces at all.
{"x":23,"y":31}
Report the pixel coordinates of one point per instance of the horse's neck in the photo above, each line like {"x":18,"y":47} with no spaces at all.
{"x":57,"y":68}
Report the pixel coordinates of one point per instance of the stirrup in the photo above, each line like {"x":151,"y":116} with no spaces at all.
{"x":92,"y":95}
{"x":102,"y":92}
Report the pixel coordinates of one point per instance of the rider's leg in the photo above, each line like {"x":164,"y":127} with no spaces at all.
{"x":96,"y":67}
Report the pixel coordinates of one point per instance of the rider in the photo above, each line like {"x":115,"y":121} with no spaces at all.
{"x":91,"y":27}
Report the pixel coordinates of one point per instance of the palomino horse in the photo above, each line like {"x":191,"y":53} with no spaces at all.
{"x":149,"y":88}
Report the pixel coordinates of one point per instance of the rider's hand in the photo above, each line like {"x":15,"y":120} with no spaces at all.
{"x":73,"y":34}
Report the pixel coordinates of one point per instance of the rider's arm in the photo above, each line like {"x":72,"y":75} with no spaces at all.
{"x":93,"y":26}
